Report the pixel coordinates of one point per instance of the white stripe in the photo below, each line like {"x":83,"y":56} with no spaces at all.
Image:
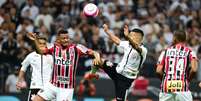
{"x":125,"y":97}
{"x":29,"y":95}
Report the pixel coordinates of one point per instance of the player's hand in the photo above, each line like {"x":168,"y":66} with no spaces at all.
{"x":97,"y":59}
{"x":105,"y":27}
{"x":31,"y":36}
{"x":200,"y":84}
{"x":96,"y":62}
{"x":20,"y":85}
{"x":126,"y":30}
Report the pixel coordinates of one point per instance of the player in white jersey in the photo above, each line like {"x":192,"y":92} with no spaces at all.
{"x":125,"y":72}
{"x":41,"y":66}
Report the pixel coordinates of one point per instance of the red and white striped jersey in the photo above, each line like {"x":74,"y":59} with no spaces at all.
{"x":175,"y":61}
{"x":65,"y":64}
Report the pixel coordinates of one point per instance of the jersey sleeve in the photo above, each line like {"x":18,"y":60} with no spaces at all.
{"x":161,"y":59}
{"x":123,"y":44}
{"x":192,"y":55}
{"x":82,"y":50}
{"x":25,"y":63}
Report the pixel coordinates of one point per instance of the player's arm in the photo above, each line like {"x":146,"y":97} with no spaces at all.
{"x":193,"y":70}
{"x":82,"y":50}
{"x":25,"y":64}
{"x":194,"y":64}
{"x":114,"y":38}
{"x":33,"y":37}
{"x":132,"y":42}
{"x":160,"y":65}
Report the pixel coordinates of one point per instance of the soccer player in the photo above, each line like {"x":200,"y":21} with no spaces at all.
{"x":65,"y":55}
{"x":41,"y":66}
{"x":176,"y":66}
{"x":125,"y":72}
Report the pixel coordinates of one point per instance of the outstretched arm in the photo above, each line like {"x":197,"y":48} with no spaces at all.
{"x":132,"y":42}
{"x":114,"y":38}
{"x":33,"y":37}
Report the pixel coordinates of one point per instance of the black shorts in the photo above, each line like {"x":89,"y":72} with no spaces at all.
{"x":122,"y":83}
{"x":32,"y":92}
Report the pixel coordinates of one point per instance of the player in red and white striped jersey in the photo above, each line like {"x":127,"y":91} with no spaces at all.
{"x":66,"y":56}
{"x":176,"y":65}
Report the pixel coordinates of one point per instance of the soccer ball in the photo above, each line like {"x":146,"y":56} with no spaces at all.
{"x":90,"y":10}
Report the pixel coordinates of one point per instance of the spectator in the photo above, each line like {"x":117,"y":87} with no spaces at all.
{"x":44,"y":18}
{"x":29,"y":10}
{"x":11,"y":82}
{"x":25,"y":27}
{"x":8,"y":49}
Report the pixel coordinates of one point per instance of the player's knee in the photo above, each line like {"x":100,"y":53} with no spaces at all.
{"x":38,"y":98}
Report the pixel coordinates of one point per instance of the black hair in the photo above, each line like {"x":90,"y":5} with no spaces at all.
{"x":137,"y":30}
{"x":180,"y":36}
{"x":41,"y":36}
{"x":62,"y":31}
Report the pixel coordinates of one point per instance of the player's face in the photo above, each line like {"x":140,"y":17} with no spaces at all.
{"x":42,"y":44}
{"x":137,"y":37}
{"x":64,"y":39}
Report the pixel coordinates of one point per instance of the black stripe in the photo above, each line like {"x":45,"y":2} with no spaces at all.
{"x":58,"y":84}
{"x":42,"y":69}
{"x":75,"y":66}
{"x":67,"y":66}
{"x":187,"y":70}
{"x":65,"y":85}
{"x":127,"y":58}
{"x":53,"y":65}
{"x":164,"y":75}
{"x":59,"y":66}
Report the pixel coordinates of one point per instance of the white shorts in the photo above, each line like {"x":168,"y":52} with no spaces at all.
{"x":60,"y":94}
{"x":177,"y":96}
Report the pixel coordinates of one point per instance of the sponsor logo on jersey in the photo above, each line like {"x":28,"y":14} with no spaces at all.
{"x":61,"y":61}
{"x":174,"y":84}
{"x":63,"y":79}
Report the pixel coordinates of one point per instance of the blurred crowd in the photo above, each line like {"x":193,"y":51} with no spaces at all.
{"x":157,"y":18}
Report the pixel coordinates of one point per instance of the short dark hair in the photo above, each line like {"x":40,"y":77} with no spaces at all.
{"x":137,"y":30}
{"x":180,"y":35}
{"x":41,"y":36}
{"x":62,"y":31}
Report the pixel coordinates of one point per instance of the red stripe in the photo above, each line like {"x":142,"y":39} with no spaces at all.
{"x":166,"y":71}
{"x":183,"y":72}
{"x":72,"y":58}
{"x":56,"y":66}
{"x":63,"y":52}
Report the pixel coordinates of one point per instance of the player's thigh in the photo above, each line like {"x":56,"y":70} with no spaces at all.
{"x":166,"y":96}
{"x":64,"y":94}
{"x":184,"y":96}
{"x":49,"y":92}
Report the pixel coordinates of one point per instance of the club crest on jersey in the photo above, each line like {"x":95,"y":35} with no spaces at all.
{"x":61,"y":61}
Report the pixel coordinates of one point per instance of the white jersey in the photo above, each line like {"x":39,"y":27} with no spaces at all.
{"x":41,"y":66}
{"x":129,"y":65}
